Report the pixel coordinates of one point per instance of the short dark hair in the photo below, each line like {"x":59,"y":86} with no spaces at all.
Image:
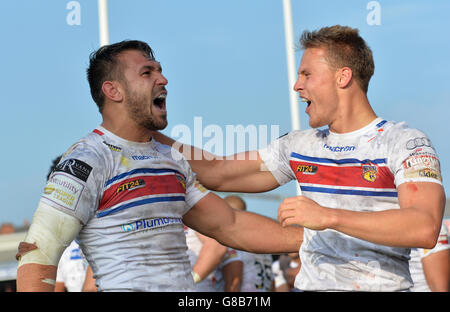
{"x":345,"y":48}
{"x":103,"y":66}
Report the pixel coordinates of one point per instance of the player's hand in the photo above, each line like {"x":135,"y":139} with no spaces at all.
{"x":303,"y":211}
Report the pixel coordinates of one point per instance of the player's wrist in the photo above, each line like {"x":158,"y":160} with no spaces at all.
{"x":332,"y":219}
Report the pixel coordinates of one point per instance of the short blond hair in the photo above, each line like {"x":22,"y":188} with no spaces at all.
{"x":345,"y":48}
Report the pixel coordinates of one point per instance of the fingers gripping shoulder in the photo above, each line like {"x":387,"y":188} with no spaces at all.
{"x":49,"y":234}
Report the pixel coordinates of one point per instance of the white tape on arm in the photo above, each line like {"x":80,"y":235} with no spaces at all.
{"x":51,"y":231}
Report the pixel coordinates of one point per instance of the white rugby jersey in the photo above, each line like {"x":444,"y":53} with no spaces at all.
{"x":357,"y":171}
{"x":278,"y":276}
{"x":417,"y":254}
{"x":195,"y":245}
{"x":278,"y":273}
{"x":72,"y":268}
{"x":257,"y":273}
{"x":130,"y":198}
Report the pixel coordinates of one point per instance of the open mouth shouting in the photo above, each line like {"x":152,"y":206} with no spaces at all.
{"x":307,"y":101}
{"x":160,"y":102}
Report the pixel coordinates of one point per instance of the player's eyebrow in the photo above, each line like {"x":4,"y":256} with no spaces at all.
{"x":156,"y":67}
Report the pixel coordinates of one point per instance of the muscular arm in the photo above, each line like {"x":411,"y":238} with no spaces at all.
{"x":243,"y":172}
{"x":212,"y":216}
{"x":50,"y":233}
{"x":436,"y":268}
{"x":415,"y":224}
{"x":210,"y":256}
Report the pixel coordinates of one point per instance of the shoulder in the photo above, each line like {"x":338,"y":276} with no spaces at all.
{"x":401,"y":131}
{"x":167,"y":150}
{"x":90,"y":146}
{"x":295,"y":139}
{"x":89,"y":154}
{"x":304,"y":134}
{"x":173,"y":156}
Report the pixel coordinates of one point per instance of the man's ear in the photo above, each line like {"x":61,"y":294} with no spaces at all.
{"x":112,"y":90}
{"x":343,"y":77}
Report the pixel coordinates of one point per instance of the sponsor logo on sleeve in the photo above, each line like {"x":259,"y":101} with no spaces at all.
{"x":63,"y":190}
{"x":422,"y":160}
{"x":418,"y":142}
{"x":75,"y":167}
{"x":423,"y":173}
{"x":422,"y":165}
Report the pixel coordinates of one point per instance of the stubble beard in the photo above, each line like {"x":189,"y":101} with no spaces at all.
{"x":137,"y":105}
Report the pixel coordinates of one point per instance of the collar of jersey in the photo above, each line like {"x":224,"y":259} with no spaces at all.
{"x":117,"y":138}
{"x":370,"y":127}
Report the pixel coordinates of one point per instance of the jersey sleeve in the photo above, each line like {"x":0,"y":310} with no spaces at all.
{"x":276,"y":158}
{"x":75,"y":185}
{"x":194,"y":189}
{"x":413,"y":158}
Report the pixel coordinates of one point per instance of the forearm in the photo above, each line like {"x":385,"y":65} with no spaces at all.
{"x":415,"y":224}
{"x":398,"y":227}
{"x":259,"y":234}
{"x":49,"y":234}
{"x":201,"y":161}
{"x":436,"y":268}
{"x":34,"y":277}
{"x":242,"y":172}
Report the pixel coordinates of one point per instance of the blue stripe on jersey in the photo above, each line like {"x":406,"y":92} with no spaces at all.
{"x":141,"y":170}
{"x":347,"y":192}
{"x":381,"y":123}
{"x":141,"y":202}
{"x":338,"y":161}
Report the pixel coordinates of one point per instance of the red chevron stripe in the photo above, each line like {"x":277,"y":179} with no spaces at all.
{"x":139,"y":186}
{"x":349,"y":176}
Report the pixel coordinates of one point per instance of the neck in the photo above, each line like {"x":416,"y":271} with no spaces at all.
{"x":355,"y":112}
{"x":121,"y":125}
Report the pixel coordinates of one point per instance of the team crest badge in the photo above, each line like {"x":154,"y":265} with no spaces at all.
{"x":369,"y":172}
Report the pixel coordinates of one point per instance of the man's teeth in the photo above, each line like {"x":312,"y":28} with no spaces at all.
{"x":305,"y":100}
{"x":162,"y":96}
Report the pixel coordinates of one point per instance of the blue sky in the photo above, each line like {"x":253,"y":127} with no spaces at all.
{"x":225,"y":62}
